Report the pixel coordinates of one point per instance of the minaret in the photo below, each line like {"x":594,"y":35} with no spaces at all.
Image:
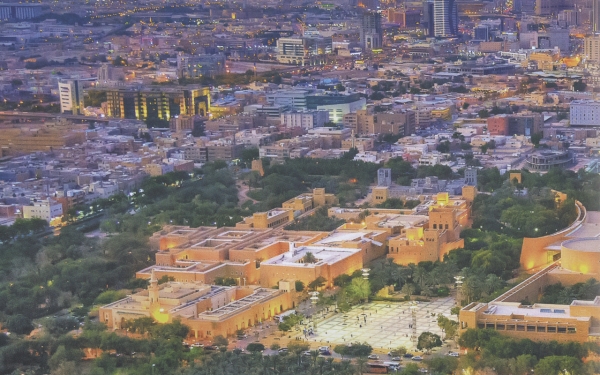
{"x":153,"y":289}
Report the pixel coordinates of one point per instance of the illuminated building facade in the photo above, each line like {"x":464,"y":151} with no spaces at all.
{"x":157,"y":102}
{"x":208,"y":310}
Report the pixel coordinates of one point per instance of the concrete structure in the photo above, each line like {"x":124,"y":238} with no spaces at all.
{"x":545,"y":160}
{"x":71,"y":96}
{"x":295,"y":99}
{"x":207,"y":310}
{"x":430,"y":240}
{"x":471,"y":176}
{"x":364,"y":122}
{"x":384,"y":177}
{"x":578,"y":321}
{"x":157,"y":102}
{"x":371,"y":32}
{"x":18,"y":11}
{"x":46,"y":209}
{"x":200,"y":65}
{"x":585,"y":112}
{"x":595,"y":17}
{"x":303,"y":50}
{"x":305,"y":119}
{"x":445,"y":18}
{"x":270,"y":219}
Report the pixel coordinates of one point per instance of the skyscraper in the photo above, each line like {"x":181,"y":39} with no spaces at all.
{"x":71,"y":96}
{"x":445,"y":18}
{"x":428,"y":22}
{"x":371,"y":32}
{"x":595,"y":21}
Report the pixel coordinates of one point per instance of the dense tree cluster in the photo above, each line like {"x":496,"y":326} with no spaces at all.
{"x":512,"y":356}
{"x":318,"y":221}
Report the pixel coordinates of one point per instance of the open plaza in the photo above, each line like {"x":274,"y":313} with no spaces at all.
{"x":383,"y":325}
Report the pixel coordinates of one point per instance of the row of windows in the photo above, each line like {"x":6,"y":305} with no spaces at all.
{"x":527,"y":328}
{"x":441,"y":226}
{"x":277,"y":222}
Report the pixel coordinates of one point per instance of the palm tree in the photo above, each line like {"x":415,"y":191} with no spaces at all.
{"x":492,"y":283}
{"x":309,"y":258}
{"x":420,"y":275}
{"x":408,"y":289}
{"x":471,"y":288}
{"x":314,"y":354}
{"x":361,"y":364}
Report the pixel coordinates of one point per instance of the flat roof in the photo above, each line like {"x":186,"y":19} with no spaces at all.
{"x":534,"y":311}
{"x":590,"y":245}
{"x":259,"y":294}
{"x":324,"y":255}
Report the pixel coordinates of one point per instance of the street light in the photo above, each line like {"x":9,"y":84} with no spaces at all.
{"x":413,"y":311}
{"x":365,"y":273}
{"x":314,"y":297}
{"x":459,"y":282}
{"x":153,"y":366}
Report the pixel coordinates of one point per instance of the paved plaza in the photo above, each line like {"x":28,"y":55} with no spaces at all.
{"x":387,"y":324}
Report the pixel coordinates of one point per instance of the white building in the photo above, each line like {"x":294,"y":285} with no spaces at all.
{"x":295,"y":99}
{"x":591,"y":48}
{"x":104,"y":189}
{"x":585,"y":113}
{"x":46,"y":209}
{"x":71,"y":96}
{"x":337,"y":111}
{"x":291,"y":51}
{"x":305,"y":120}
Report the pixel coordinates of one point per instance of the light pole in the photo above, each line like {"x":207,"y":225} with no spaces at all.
{"x":153,"y":366}
{"x":365,"y":273}
{"x":459,"y":282}
{"x":413,"y":311}
{"x":314,"y":297}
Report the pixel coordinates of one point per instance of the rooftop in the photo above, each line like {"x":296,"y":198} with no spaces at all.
{"x":324,"y":255}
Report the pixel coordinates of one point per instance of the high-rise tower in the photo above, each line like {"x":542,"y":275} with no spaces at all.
{"x":371,"y":32}
{"x":445,"y":18}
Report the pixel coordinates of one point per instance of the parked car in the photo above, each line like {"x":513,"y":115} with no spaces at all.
{"x":417,"y":358}
{"x":453,"y":354}
{"x":373,"y":356}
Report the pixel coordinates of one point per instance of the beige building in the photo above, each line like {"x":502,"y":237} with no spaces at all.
{"x":208,"y":310}
{"x":47,"y":209}
{"x":366,"y":122}
{"x":430,"y":240}
{"x":591,"y":48}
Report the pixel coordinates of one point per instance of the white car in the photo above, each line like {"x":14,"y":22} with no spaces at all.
{"x":453,"y":354}
{"x":373,"y":356}
{"x":417,"y":358}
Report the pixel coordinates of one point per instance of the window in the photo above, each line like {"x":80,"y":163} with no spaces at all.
{"x":562,"y":329}
{"x":551,"y":329}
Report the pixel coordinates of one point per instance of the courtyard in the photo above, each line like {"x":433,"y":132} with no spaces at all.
{"x":383,"y":325}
